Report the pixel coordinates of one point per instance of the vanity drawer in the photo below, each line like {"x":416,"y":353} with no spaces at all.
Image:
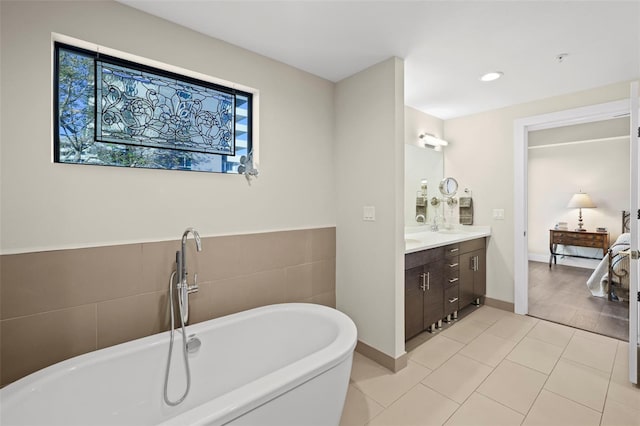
{"x":452,"y":250}
{"x":451,"y":272}
{"x":451,"y":303}
{"x":471,"y":245}
{"x":423,"y":257}
{"x":451,"y":279}
{"x":452,"y":263}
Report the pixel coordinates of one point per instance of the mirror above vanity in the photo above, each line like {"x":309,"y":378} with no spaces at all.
{"x":420,"y":164}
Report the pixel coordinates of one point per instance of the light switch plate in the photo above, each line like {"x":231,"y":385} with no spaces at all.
{"x":369,"y":213}
{"x":498,"y":214}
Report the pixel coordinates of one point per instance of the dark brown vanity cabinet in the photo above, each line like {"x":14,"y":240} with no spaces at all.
{"x":440,"y":281}
{"x":423,"y":290}
{"x":473,"y":276}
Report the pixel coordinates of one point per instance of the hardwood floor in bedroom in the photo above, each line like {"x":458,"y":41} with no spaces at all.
{"x":560,"y":294}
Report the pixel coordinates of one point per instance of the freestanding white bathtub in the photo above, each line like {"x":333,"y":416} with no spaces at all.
{"x":285,"y":364}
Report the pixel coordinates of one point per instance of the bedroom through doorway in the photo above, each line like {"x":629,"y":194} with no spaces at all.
{"x":569,"y":270}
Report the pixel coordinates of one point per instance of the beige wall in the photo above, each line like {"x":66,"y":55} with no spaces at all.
{"x":480,"y":156}
{"x":63,"y":303}
{"x":46,"y":206}
{"x":369,"y":166}
{"x":87,"y":251}
{"x":556,"y":172}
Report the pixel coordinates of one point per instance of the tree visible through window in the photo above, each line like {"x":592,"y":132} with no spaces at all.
{"x":117,"y":113}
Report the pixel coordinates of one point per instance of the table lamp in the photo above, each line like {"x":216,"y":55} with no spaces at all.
{"x":580,"y":201}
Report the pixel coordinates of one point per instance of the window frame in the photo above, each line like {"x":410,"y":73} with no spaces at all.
{"x":97,"y":55}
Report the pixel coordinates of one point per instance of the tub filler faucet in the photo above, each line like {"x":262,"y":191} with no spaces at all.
{"x":183,"y":287}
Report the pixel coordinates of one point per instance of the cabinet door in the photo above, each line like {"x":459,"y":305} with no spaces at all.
{"x":480,"y":276}
{"x":413,"y":302}
{"x":465,"y":286}
{"x":433,"y":293}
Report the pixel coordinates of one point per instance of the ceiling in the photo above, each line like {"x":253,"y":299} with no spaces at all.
{"x":446,"y":45}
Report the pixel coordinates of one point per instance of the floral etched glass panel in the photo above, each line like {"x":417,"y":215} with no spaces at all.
{"x":144,"y":109}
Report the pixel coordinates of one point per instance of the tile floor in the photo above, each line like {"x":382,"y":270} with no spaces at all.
{"x":560,"y":294}
{"x":493,"y":367}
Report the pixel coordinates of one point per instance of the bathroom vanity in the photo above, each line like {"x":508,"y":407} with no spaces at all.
{"x":444,"y":272}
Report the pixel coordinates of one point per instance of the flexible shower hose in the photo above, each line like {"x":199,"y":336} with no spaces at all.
{"x":184,"y":349}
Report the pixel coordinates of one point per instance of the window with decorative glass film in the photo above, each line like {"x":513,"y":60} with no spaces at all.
{"x":113,"y":112}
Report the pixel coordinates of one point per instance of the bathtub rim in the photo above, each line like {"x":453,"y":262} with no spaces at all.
{"x":226,"y":406}
{"x":278,"y":381}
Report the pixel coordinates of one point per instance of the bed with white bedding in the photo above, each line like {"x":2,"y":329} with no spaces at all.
{"x":611,"y":278}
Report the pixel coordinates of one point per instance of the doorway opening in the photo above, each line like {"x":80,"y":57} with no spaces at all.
{"x":586,"y":165}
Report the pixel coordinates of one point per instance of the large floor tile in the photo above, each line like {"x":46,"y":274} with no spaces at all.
{"x":552,"y":312}
{"x":616,"y":414}
{"x":596,"y":337}
{"x":580,"y":383}
{"x":488,"y":349}
{"x":594,"y":353}
{"x":488,"y":315}
{"x":551,"y":409}
{"x":364,"y":368}
{"x":419,"y":406}
{"x":620,"y":371}
{"x":458,"y":377}
{"x":465,"y":331}
{"x":512,"y":327}
{"x":513,"y":385}
{"x":549,"y":332}
{"x":358,"y":408}
{"x":625,"y":393}
{"x":536,"y":354}
{"x":616,"y":310}
{"x":434,"y":352}
{"x":479,"y":410}
{"x":384,"y":386}
{"x":614,"y":327}
{"x":584,"y":319}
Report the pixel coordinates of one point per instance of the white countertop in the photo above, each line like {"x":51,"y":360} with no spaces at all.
{"x":418,"y":238}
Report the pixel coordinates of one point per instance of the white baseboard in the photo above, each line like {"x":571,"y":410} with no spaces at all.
{"x":567,"y":261}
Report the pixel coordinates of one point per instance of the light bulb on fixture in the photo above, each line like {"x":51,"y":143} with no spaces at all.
{"x":429,"y":139}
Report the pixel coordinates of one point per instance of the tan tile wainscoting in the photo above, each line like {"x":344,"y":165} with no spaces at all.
{"x":63,"y":303}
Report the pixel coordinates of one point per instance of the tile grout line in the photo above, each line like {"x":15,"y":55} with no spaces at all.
{"x":550,"y":372}
{"x":606,"y":395}
{"x":562,"y":396}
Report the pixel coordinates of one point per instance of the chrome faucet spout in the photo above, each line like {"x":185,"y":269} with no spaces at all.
{"x":182,"y":273}
{"x":184,"y":289}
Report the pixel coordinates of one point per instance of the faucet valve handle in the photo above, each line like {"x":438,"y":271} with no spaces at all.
{"x":193,"y":288}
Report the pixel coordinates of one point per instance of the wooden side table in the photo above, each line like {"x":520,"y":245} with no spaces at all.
{"x":557,"y":237}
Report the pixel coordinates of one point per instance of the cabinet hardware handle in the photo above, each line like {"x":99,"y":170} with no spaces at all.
{"x":453,"y":265}
{"x":476,"y":263}
{"x":455,"y":299}
{"x":428,"y":279}
{"x":453,"y":280}
{"x":423,"y":286}
{"x":453,"y":250}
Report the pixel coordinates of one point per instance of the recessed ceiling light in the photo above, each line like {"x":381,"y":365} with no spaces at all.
{"x":490,"y":76}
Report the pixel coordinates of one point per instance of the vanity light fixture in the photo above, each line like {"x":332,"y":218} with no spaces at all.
{"x":435,"y":142}
{"x":490,"y":76}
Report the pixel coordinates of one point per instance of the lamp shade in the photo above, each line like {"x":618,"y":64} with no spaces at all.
{"x":581,"y":200}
